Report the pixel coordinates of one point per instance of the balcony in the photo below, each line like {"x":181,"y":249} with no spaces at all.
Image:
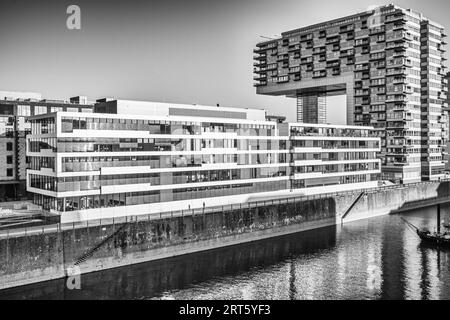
{"x":259,"y":84}
{"x":283,"y":79}
{"x":332,"y":40}
{"x":282,"y":58}
{"x":319,"y":50}
{"x":399,"y":80}
{"x":259,"y":64}
{"x":345,"y":29}
{"x":359,"y":93}
{"x":336,"y":72}
{"x":396,"y":45}
{"x":346,"y":53}
{"x":361,"y":33}
{"x":396,"y":17}
{"x":397,"y":98}
{"x":306,"y":60}
{"x":306,"y":37}
{"x":261,"y":56}
{"x":377,"y":30}
{"x":408,"y":36}
{"x":399,"y":26}
{"x":319,"y":74}
{"x":361,"y":67}
{"x":260,"y":77}
{"x":259,"y":70}
{"x":395,"y":71}
{"x":296,"y":47}
{"x":377,"y":56}
{"x":332,"y":64}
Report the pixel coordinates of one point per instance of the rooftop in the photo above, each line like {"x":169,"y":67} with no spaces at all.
{"x":345,"y":20}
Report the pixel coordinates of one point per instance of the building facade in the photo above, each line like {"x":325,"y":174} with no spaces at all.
{"x":447,"y":129}
{"x":389,"y":62}
{"x":134,"y":158}
{"x":15,"y":108}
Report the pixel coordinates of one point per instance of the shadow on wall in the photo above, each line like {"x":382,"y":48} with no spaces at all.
{"x":152,"y":279}
{"x":441,"y":192}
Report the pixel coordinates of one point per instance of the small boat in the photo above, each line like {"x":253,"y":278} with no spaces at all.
{"x":437,"y":238}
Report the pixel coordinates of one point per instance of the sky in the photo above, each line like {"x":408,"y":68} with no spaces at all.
{"x":191,"y":51}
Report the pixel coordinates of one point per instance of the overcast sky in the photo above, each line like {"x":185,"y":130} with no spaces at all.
{"x":191,"y":51}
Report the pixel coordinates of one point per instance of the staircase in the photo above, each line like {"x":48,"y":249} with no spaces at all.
{"x":91,"y":251}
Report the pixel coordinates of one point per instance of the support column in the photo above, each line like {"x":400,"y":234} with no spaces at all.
{"x":312,"y":108}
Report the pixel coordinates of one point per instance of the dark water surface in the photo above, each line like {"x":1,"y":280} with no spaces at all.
{"x":379,"y":258}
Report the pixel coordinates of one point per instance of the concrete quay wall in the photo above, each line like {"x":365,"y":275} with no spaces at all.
{"x":34,"y":258}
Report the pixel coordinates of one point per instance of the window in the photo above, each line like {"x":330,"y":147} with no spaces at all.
{"x":40,"y":110}
{"x":56,"y":109}
{"x":9,"y":159}
{"x":9,"y":172}
{"x":23,"y":111}
{"x":9,"y":146}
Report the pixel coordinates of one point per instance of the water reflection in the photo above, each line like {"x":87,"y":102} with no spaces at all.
{"x":380,"y":258}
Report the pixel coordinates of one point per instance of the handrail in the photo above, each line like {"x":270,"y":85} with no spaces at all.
{"x":181,"y":213}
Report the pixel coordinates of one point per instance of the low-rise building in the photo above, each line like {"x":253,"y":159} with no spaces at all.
{"x":144,"y":158}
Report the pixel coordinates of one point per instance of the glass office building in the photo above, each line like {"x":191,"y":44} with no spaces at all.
{"x":101,"y":165}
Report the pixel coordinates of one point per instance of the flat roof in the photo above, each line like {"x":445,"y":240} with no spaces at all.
{"x":150,"y":117}
{"x":190,"y":119}
{"x":312,"y":27}
{"x":184,"y":105}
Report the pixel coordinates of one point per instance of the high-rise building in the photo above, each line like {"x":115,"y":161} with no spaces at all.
{"x":389,"y":62}
{"x":135,"y":157}
{"x":15,"y":108}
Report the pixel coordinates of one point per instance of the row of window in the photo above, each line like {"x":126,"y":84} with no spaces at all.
{"x":79,"y":183}
{"x":164,"y":127}
{"x":77,"y":164}
{"x":80,"y":164}
{"x":145,"y":197}
{"x":328,"y":132}
{"x":352,"y":144}
{"x":333,"y":168}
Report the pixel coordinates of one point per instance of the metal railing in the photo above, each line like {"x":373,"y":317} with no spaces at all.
{"x":60,"y":227}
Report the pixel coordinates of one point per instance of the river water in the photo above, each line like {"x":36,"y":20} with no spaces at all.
{"x":379,"y":258}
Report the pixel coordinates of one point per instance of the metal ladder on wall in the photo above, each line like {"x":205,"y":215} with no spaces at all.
{"x":91,"y":251}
